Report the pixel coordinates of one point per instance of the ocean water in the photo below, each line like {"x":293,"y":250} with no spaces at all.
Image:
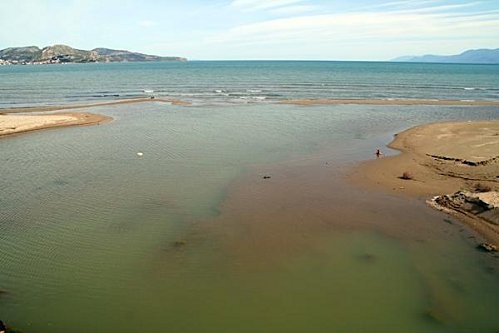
{"x":190,"y":238}
{"x":242,"y":82}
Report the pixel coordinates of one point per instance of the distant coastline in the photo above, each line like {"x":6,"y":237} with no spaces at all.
{"x":480,"y":56}
{"x":62,"y":54}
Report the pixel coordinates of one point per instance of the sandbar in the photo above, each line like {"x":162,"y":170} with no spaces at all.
{"x":90,"y":105}
{"x":439,"y":159}
{"x":305,"y":102}
{"x":11,"y":122}
{"x":15,"y":123}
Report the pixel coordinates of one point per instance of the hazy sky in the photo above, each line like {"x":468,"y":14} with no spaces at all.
{"x":256,"y":29}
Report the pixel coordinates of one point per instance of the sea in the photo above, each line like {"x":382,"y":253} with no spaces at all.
{"x":239,"y":215}
{"x":243,"y":82}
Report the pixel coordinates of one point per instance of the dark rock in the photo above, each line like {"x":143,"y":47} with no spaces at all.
{"x":487,"y":247}
{"x":179,"y":243}
{"x":266,"y":177}
{"x":463,"y":201}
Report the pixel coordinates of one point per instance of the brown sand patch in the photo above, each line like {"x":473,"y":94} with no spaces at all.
{"x":442,"y":158}
{"x":14,"y":124}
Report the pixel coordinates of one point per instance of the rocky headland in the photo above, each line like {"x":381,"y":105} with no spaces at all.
{"x":59,"y":54}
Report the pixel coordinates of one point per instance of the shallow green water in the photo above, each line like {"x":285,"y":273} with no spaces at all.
{"x":87,"y":229}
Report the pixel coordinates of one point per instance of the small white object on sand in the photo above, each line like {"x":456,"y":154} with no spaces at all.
{"x":140,"y":154}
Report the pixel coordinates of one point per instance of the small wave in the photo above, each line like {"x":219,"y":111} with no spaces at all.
{"x":468,"y":88}
{"x":148,"y":91}
{"x":260,"y":98}
{"x":107,"y":95}
{"x":253,"y":91}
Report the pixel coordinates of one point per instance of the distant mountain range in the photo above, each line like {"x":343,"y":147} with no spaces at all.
{"x":481,"y":56}
{"x":67,"y":54}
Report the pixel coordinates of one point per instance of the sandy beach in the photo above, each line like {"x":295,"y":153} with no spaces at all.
{"x":11,"y":122}
{"x":14,"y":124}
{"x":439,"y":159}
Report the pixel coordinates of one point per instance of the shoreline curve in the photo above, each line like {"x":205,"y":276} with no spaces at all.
{"x":439,"y":159}
{"x":13,"y":124}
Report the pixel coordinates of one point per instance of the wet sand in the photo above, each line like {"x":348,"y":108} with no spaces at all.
{"x":440,"y":158}
{"x":305,"y":102}
{"x":90,"y":105}
{"x":11,"y":124}
{"x":280,"y":216}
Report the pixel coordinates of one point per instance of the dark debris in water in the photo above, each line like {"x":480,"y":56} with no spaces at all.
{"x":448,"y":221}
{"x":432,"y":317}
{"x":179,"y":244}
{"x":489,"y":269}
{"x":456,"y":285}
{"x":367,"y":257}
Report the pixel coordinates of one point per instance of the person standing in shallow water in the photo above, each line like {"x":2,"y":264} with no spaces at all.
{"x":378,"y":153}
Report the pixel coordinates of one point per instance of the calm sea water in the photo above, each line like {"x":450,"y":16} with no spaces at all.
{"x":245,"y":82}
{"x":88,"y":230}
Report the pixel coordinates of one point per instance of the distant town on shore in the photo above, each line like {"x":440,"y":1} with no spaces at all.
{"x":61,"y":54}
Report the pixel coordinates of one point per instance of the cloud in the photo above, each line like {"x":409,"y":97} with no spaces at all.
{"x":440,"y":8}
{"x":257,"y":29}
{"x":328,"y":33}
{"x":147,"y":23}
{"x":254,"y":5}
{"x":403,"y":4}
{"x":294,"y":9}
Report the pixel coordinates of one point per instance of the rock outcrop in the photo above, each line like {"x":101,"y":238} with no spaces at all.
{"x":66,"y":54}
{"x":483,"y":206}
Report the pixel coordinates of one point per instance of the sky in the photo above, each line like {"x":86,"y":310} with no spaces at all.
{"x":256,"y":29}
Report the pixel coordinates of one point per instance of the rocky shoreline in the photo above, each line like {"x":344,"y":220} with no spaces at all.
{"x":479,"y":205}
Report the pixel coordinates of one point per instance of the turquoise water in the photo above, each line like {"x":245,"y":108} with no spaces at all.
{"x":242,"y":82}
{"x":189,"y":238}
